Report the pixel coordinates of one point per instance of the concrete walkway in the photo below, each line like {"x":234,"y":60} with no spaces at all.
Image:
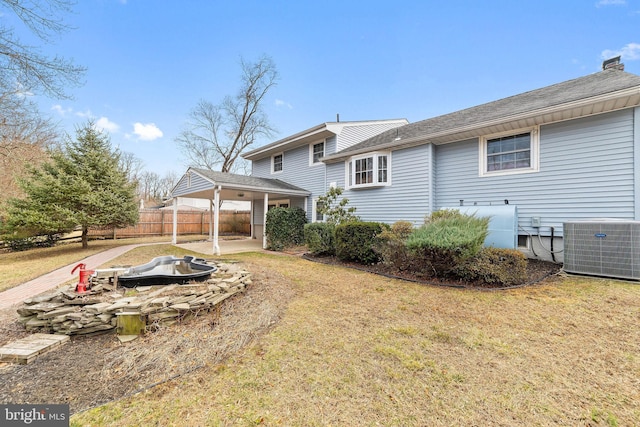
{"x":63,"y":275}
{"x":60,"y":276}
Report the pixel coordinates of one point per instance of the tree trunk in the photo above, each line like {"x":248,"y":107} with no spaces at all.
{"x":85,"y":243}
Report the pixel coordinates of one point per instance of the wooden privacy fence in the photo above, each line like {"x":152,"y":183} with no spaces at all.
{"x":158,"y":222}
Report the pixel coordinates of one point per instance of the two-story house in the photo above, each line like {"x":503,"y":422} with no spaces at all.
{"x":286,"y":173}
{"x":563,"y":152}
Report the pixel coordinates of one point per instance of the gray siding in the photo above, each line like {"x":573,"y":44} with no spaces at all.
{"x":330,"y":145}
{"x":197,"y":184}
{"x":407,"y":198}
{"x":258,"y":208}
{"x":261,"y":168}
{"x":586,"y":171}
{"x":296,"y":171}
{"x":336,"y":174}
{"x":352,"y":135}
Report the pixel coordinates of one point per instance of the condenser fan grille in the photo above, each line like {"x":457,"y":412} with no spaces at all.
{"x":603,"y":248}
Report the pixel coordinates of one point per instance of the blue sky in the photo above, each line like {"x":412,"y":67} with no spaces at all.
{"x":150,"y":61}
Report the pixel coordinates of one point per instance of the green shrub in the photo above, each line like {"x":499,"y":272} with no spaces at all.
{"x":444,"y":214}
{"x":285,"y":228}
{"x":319,"y":238}
{"x":399,"y":229}
{"x":495,"y":266}
{"x":334,"y":211}
{"x":391,"y":247}
{"x":447,"y":238}
{"x":355,"y":241}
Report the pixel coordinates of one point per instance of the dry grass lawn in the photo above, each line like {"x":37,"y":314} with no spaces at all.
{"x":357,"y":349}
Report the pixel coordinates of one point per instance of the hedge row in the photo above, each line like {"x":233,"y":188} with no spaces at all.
{"x":448,"y":245}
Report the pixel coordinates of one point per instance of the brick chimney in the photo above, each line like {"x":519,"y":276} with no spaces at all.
{"x":613,"y":63}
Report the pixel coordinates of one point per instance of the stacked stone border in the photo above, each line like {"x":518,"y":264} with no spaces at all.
{"x":68,"y":312}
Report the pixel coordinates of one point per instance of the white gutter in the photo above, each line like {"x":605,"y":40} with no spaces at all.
{"x":521,"y":116}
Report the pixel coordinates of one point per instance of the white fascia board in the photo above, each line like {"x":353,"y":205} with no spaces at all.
{"x":324,"y":130}
{"x":633,"y":95}
{"x":285,"y":143}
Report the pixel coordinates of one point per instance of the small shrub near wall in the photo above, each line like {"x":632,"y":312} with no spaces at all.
{"x":391,"y":246}
{"x":319,"y":238}
{"x":285,"y":228}
{"x":447,"y":239}
{"x":355,"y":241}
{"x":506,"y":267}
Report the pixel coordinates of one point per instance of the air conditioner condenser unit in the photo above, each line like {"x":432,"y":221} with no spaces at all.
{"x":607,"y":247}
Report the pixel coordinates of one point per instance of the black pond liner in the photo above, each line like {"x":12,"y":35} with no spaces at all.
{"x":166,"y":270}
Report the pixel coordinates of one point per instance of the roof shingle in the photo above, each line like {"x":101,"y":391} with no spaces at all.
{"x":600,"y":83}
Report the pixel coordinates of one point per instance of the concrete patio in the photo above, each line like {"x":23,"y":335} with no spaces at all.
{"x":226,"y":246}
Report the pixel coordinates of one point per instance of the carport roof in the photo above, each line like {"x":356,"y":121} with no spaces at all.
{"x":241,"y":183}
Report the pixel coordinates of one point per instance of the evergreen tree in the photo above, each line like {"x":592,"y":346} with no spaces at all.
{"x":83,"y":185}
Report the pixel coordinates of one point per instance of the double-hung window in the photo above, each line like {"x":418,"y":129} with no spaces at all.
{"x":317,"y":208}
{"x":370,"y":170}
{"x":515,"y":152}
{"x":316,"y":152}
{"x":276,"y":163}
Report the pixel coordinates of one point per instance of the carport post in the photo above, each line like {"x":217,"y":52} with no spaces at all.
{"x":174,"y":237}
{"x":210,"y":219}
{"x":264,"y":221}
{"x":216,"y":220}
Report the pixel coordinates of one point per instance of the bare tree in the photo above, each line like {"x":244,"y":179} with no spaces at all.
{"x":154,"y":188}
{"x":21,"y":124}
{"x":131,"y":165}
{"x":167,"y":182}
{"x":215,"y":135}
{"x":24,"y":139}
{"x":25,"y":135}
{"x":23,"y":69}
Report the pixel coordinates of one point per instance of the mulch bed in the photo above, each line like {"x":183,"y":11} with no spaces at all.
{"x":537,"y":271}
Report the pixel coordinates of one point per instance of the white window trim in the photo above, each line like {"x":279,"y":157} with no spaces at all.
{"x":314,"y":210}
{"x":534,"y":153}
{"x":311,"y":163}
{"x":273,"y":171}
{"x":374,"y":184}
{"x":278,"y":203}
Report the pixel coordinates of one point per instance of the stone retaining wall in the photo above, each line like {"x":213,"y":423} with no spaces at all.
{"x":70,"y":313}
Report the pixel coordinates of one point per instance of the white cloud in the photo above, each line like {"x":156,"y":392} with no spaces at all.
{"x":147,"y":132}
{"x":61,"y":110}
{"x":630,"y":52}
{"x":281,"y":103}
{"x":611,"y":3}
{"x":84,"y":114}
{"x":103,"y":123}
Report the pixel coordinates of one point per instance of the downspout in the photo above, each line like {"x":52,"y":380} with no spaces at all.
{"x":636,"y":162}
{"x":553,"y":255}
{"x":216,"y":219}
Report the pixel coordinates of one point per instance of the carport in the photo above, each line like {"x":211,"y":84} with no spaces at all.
{"x":263,"y":193}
